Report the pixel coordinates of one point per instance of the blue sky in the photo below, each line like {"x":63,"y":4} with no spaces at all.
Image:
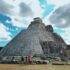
{"x":16,"y":15}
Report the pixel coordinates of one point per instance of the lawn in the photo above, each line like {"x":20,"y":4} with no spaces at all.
{"x":33,"y":67}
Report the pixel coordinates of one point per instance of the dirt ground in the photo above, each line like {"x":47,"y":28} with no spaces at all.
{"x":33,"y":67}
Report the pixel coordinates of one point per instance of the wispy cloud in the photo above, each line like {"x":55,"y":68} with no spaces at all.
{"x":21,"y":13}
{"x":5,"y":7}
{"x":66,"y":35}
{"x":17,"y":10}
{"x":61,"y":16}
{"x":58,"y":3}
{"x":4,"y":34}
{"x":25,"y":10}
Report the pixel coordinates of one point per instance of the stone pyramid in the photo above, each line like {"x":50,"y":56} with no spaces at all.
{"x":29,"y":42}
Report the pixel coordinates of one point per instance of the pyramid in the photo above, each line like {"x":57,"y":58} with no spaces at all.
{"x":29,"y":42}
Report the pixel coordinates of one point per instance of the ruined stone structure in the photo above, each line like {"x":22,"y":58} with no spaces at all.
{"x":37,"y":39}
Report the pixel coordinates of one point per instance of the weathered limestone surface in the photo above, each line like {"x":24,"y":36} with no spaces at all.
{"x":32,"y":41}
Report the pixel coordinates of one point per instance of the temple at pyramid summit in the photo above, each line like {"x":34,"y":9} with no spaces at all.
{"x":37,"y":39}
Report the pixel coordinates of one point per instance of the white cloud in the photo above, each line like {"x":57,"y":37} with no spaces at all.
{"x":4,"y":35}
{"x":21,"y":22}
{"x":5,"y":8}
{"x":59,"y":2}
{"x":35,"y":7}
{"x":46,"y":22}
{"x":60,"y":17}
{"x":16,"y":22}
{"x":46,"y":19}
{"x":66,"y":35}
{"x":33,"y":4}
{"x":37,"y":10}
{"x":16,"y":11}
